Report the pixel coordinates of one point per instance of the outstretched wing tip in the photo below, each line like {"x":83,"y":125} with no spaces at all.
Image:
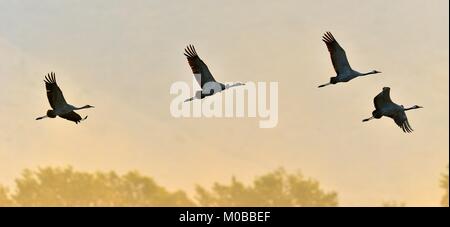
{"x":190,"y":51}
{"x":407,"y":127}
{"x":328,"y":37}
{"x":50,"y":78}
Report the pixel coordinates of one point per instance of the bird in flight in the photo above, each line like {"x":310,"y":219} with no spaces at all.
{"x":203,"y":76}
{"x":385,"y":107}
{"x":339,"y":59}
{"x":59,"y":105}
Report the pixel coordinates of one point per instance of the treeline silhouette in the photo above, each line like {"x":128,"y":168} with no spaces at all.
{"x":52,"y":186}
{"x":273,"y":189}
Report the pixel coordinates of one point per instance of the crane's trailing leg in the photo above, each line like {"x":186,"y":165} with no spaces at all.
{"x":368,"y":119}
{"x":39,"y":118}
{"x":189,"y":99}
{"x":323,"y":85}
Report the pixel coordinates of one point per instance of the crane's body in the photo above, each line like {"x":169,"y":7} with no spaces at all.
{"x":385,"y":107}
{"x":59,"y":105}
{"x":344,"y":71}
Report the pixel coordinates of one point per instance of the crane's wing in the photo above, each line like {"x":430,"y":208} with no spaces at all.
{"x":383,"y":98}
{"x":402,"y":121}
{"x":199,"y":68}
{"x":338,"y":56}
{"x":54,"y":94}
{"x":72,"y":116}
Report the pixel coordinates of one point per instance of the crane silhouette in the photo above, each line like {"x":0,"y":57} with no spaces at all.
{"x":339,"y":59}
{"x":203,"y":76}
{"x":385,"y":107}
{"x":59,"y":105}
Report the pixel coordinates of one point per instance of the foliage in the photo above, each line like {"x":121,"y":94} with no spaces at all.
{"x":277,"y":188}
{"x":4,"y":197}
{"x":67,"y":187}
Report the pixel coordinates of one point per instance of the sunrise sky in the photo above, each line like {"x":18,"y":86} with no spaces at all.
{"x":123,"y":56}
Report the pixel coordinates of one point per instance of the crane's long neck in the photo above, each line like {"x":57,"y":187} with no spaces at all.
{"x":83,"y":107}
{"x":233,"y":85}
{"x":368,"y":73}
{"x":411,"y":108}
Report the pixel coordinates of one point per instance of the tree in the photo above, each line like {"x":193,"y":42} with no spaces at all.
{"x":4,"y":197}
{"x":277,"y":188}
{"x":67,"y":187}
{"x":444,"y":185}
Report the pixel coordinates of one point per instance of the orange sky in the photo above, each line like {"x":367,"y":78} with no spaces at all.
{"x":122,"y":57}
